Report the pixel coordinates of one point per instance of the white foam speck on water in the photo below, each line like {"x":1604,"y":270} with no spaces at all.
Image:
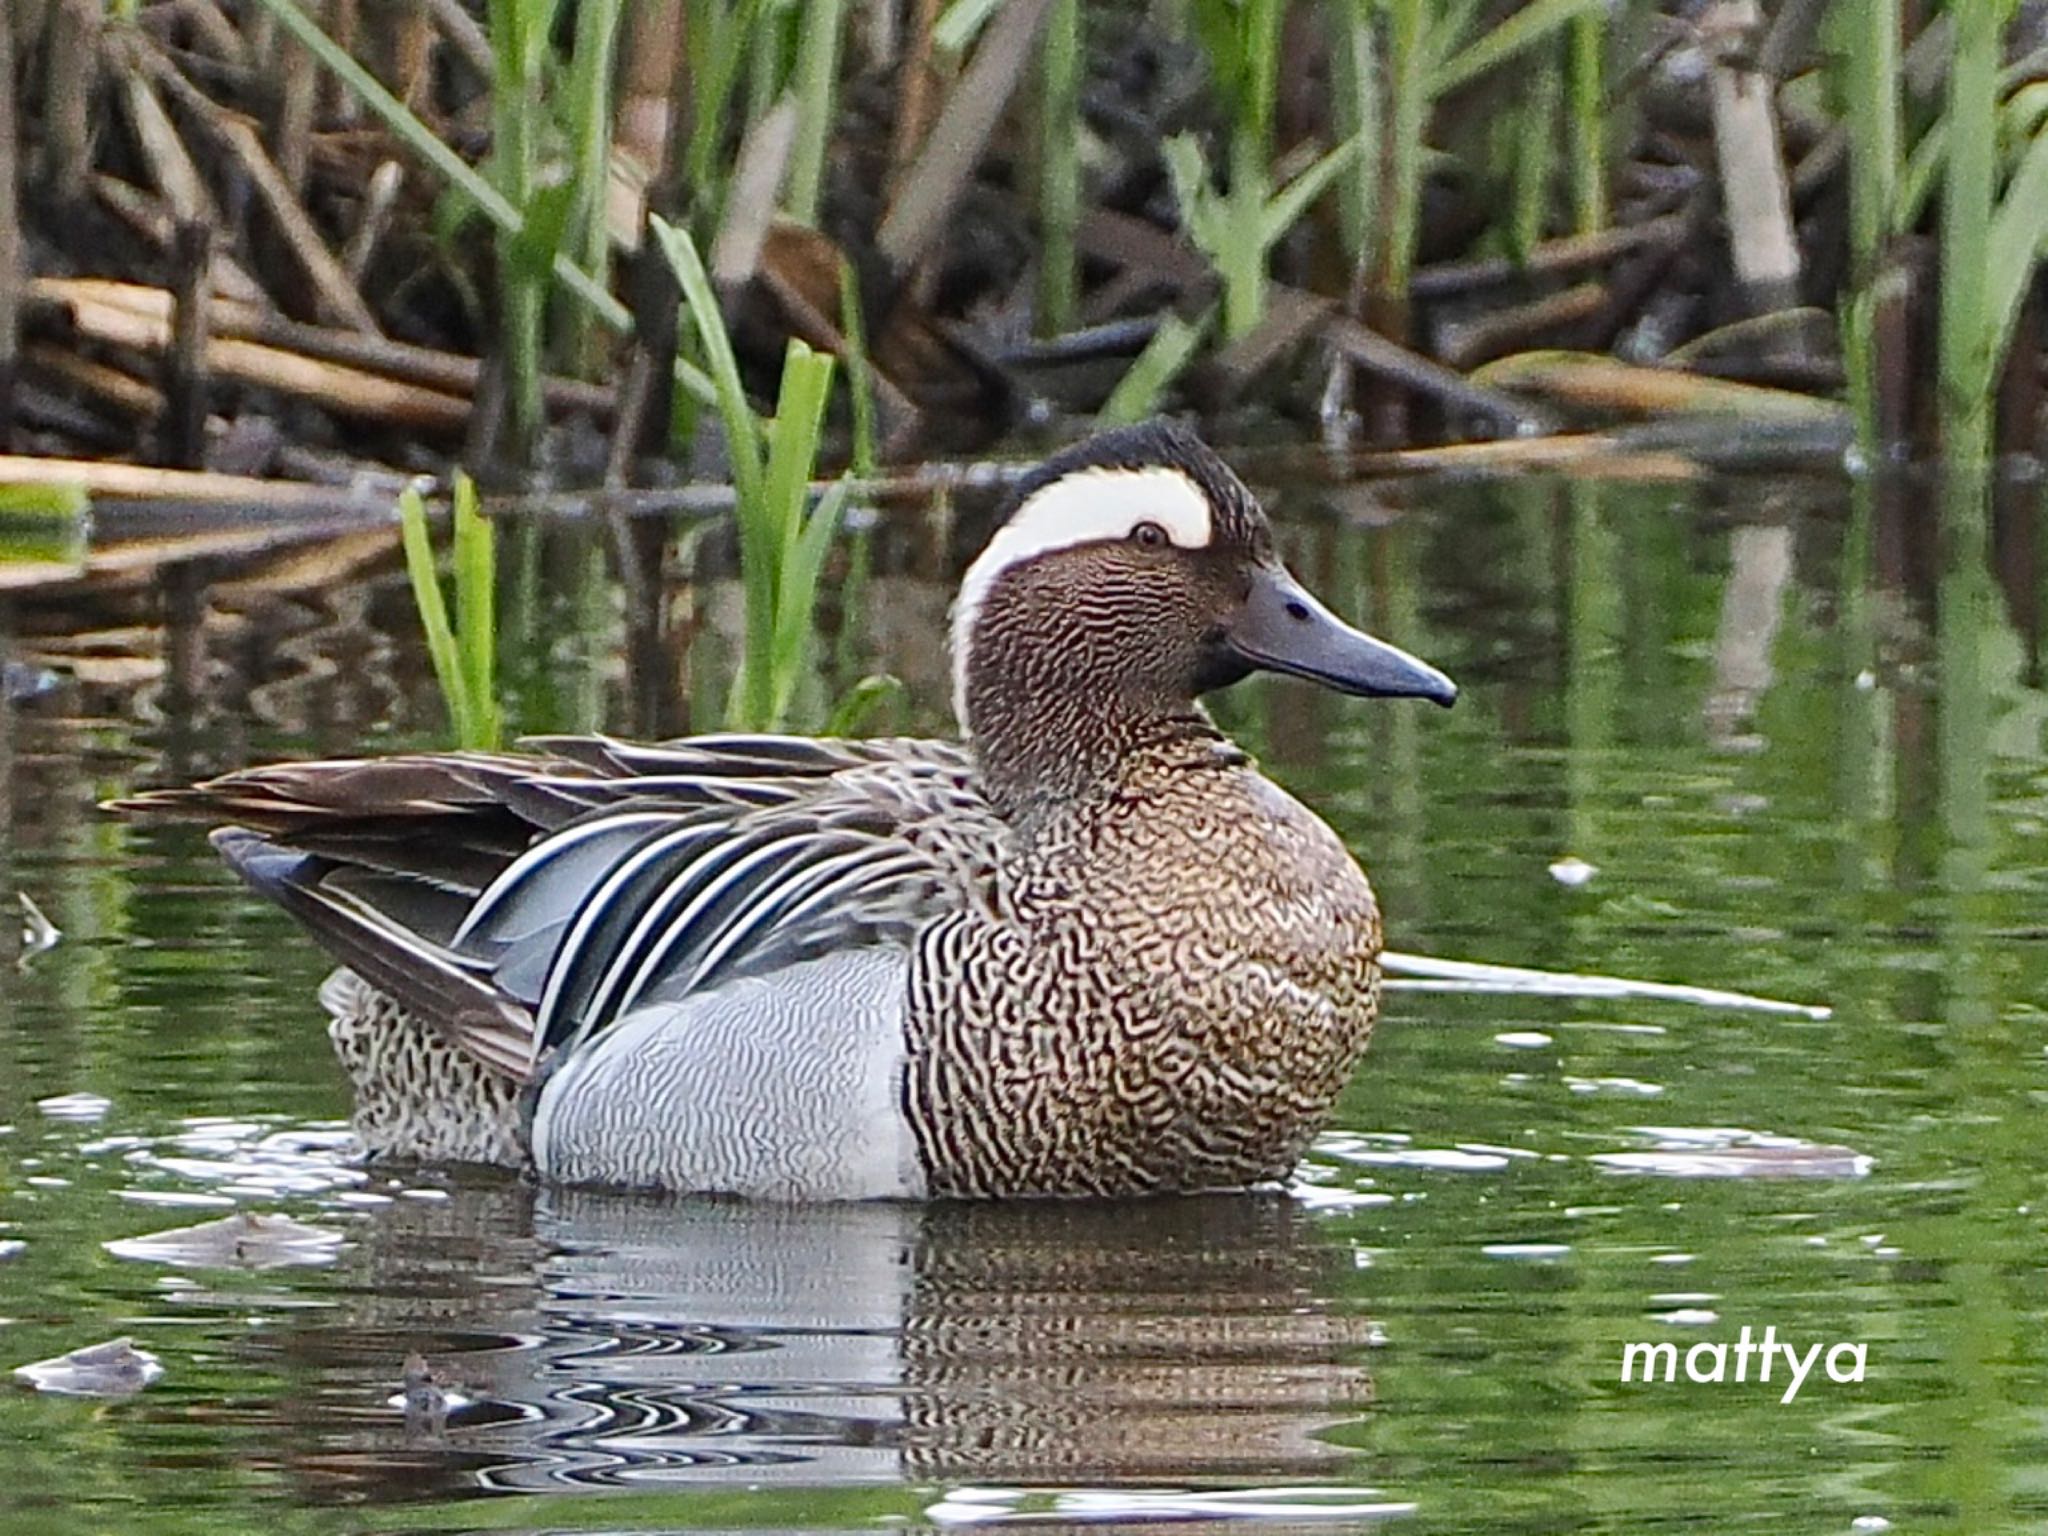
{"x":1724,"y":1152}
{"x":990,"y":1506}
{"x":106,"y":1144}
{"x":1673,"y":1258}
{"x":75,"y":1106}
{"x":1539,"y":1253}
{"x":113,"y":1369}
{"x":1327,"y":1197}
{"x":1687,"y":1317}
{"x":452,"y":1401}
{"x":1870,"y":1523}
{"x":1573,"y":872}
{"x":1629,"y":1087}
{"x":246,"y":1240}
{"x":250,"y":1160}
{"x":1522,"y":1039}
{"x":1435,"y":1159}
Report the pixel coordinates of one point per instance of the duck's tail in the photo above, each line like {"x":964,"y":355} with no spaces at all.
{"x":438,"y":1055}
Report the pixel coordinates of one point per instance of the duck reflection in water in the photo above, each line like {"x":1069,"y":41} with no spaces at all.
{"x":678,"y":1344}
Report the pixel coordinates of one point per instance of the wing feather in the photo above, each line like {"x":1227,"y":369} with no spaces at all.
{"x":521,"y":904}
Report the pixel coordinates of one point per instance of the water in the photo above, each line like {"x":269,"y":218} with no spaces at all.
{"x":1689,"y":750}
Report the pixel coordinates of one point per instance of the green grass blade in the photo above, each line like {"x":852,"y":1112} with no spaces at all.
{"x":62,"y":498}
{"x":961,"y":23}
{"x":433,"y":611}
{"x":1137,"y":393}
{"x":1357,"y":109}
{"x":1969,"y":367}
{"x":1061,"y":67}
{"x":1296,"y":198}
{"x":862,"y":700}
{"x":1445,"y":25}
{"x":701,"y":299}
{"x":1534,"y":165}
{"x":771,"y":534}
{"x":1588,"y":73}
{"x":860,"y":388}
{"x":2018,"y":231}
{"x":1407,"y":125}
{"x":589,"y":112}
{"x":817,"y":76}
{"x":800,"y":593}
{"x":1201,"y":211}
{"x":1921,"y":175}
{"x":1524,"y":29}
{"x":476,"y":616}
{"x":793,"y":443}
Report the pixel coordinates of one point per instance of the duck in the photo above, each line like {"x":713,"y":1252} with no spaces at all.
{"x":1088,"y":949}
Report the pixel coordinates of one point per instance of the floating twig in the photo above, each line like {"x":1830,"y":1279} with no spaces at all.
{"x":1427,"y":973}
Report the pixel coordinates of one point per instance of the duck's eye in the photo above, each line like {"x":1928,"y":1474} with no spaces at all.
{"x":1149,"y":534}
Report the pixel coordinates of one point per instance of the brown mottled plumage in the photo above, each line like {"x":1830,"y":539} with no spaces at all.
{"x":1177,"y":986}
{"x":1097,"y":953}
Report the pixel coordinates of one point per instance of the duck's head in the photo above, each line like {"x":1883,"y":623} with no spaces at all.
{"x":1134,"y":573}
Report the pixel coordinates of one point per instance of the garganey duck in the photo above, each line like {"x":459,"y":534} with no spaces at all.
{"x":1093,"y":951}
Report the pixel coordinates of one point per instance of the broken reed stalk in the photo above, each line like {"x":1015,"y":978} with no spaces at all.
{"x":1754,"y":193}
{"x":68,"y":92}
{"x":930,"y":188}
{"x":147,"y":482}
{"x":421,"y":139}
{"x":186,"y":373}
{"x":337,"y":296}
{"x":347,"y":391}
{"x":133,"y":315}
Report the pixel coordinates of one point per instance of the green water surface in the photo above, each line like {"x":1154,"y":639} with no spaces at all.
{"x":1784,"y":778}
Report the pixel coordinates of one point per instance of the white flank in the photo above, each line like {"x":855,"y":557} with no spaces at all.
{"x":1088,"y":506}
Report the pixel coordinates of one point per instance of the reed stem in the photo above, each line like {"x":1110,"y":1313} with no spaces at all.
{"x":1869,"y":38}
{"x":820,"y":28}
{"x":1059,"y":168}
{"x":1968,"y":366}
{"x":1587,"y":66}
{"x":589,"y":111}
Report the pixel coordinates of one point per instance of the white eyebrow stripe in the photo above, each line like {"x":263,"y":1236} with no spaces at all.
{"x":1087,"y":506}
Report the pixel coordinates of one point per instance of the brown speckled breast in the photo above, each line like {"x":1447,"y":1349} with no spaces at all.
{"x":1172,"y":986}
